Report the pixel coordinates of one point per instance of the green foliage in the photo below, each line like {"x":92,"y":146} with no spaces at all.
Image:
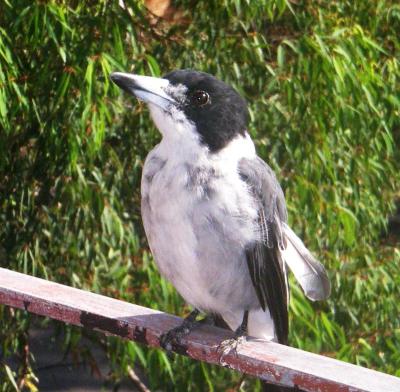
{"x":322,"y":79}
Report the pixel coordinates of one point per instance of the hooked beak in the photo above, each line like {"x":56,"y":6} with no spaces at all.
{"x":146,"y":88}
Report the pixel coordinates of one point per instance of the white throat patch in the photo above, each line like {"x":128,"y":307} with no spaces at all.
{"x":173,"y":124}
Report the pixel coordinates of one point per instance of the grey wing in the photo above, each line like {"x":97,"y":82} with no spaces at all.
{"x":266,"y":266}
{"x":278,"y":246}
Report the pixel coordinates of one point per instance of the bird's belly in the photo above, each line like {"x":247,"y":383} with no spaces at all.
{"x":198,"y":243}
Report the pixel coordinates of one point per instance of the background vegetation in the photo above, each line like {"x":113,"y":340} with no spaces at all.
{"x":322,"y":79}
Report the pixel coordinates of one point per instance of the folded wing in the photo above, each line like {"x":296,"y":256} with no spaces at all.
{"x":277,"y":247}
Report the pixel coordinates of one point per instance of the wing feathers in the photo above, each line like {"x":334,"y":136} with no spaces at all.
{"x":278,"y":246}
{"x":269,"y":282}
{"x":266,"y":267}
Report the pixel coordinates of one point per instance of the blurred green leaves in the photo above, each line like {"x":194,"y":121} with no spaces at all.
{"x":322,"y":82}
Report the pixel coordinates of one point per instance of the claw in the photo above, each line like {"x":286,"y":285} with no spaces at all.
{"x":174,"y":336}
{"x":229,"y":345}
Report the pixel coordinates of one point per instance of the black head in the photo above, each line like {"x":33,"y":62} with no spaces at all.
{"x":217,"y":110}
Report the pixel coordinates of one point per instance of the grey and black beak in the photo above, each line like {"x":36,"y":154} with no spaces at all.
{"x":146,"y":88}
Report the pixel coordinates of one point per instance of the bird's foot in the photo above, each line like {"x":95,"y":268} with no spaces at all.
{"x":231,"y":345}
{"x":174,"y":336}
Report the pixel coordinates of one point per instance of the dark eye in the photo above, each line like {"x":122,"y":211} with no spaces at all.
{"x":199,"y":98}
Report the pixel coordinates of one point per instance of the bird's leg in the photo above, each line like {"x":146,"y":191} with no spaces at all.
{"x":240,"y":335}
{"x":242,"y":329}
{"x":174,"y":335}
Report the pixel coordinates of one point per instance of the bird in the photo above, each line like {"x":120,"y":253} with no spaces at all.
{"x":214,"y":212}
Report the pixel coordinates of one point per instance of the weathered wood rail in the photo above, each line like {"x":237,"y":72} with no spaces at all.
{"x":269,"y":361}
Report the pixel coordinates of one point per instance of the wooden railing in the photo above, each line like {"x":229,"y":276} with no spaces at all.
{"x":275,"y":363}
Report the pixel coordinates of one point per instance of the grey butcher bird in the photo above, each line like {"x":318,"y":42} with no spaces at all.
{"x":213,"y":211}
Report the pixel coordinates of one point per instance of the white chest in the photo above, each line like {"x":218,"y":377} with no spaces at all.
{"x":198,"y":217}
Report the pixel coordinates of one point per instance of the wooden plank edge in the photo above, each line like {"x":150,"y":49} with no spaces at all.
{"x":266,"y":360}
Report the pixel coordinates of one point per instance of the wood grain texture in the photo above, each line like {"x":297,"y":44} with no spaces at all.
{"x":269,"y":361}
